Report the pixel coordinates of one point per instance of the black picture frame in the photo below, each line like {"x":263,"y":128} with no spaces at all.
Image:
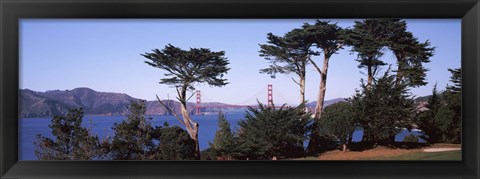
{"x":13,"y":10}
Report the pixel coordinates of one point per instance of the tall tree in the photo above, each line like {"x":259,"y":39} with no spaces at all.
{"x":329,"y":39}
{"x":71,"y":140}
{"x":184,"y":69}
{"x":224,"y":141}
{"x":367,"y":38}
{"x":288,"y":54}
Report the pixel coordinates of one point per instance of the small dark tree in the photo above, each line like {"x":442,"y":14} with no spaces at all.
{"x":133,"y":136}
{"x":184,"y":70}
{"x":71,"y":142}
{"x":338,"y":121}
{"x":426,"y":120}
{"x":175,"y":144}
{"x":224,"y":141}
{"x":268,"y":133}
{"x":453,"y":97}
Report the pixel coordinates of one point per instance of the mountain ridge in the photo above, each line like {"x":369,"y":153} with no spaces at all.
{"x":58,"y":102}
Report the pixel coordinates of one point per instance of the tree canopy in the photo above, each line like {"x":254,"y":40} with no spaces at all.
{"x":185,"y":68}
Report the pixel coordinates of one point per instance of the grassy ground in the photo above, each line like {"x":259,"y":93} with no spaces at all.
{"x":383,"y":153}
{"x":447,"y":155}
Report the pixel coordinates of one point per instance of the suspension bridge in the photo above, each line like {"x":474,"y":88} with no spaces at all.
{"x":199,"y":107}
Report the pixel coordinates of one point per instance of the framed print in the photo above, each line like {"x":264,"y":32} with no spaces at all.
{"x":239,"y":89}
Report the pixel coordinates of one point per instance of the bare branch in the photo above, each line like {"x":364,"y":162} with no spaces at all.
{"x":295,"y":81}
{"x":315,"y":65}
{"x":170,"y":111}
{"x":191,"y":95}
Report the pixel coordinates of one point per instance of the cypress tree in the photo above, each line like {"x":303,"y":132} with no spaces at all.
{"x":224,"y":142}
{"x":71,"y":140}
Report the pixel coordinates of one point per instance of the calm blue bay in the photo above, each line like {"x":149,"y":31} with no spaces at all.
{"x":101,"y":126}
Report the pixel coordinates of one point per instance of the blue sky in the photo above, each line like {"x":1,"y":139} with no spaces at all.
{"x":105,"y":55}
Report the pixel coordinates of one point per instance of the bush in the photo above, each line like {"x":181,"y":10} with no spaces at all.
{"x":209,"y":154}
{"x":175,"y":144}
{"x":337,"y":120}
{"x":71,"y":140}
{"x":268,"y":133}
{"x":133,"y":136}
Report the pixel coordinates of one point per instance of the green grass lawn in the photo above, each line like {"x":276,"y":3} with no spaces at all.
{"x":447,"y":155}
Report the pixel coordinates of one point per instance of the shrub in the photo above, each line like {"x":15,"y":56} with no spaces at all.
{"x":268,"y":133}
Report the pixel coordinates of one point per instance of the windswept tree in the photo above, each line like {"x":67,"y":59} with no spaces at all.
{"x":71,"y":140}
{"x":367,"y":38}
{"x":288,"y":54}
{"x":329,"y":39}
{"x":184,"y":69}
{"x":409,"y":52}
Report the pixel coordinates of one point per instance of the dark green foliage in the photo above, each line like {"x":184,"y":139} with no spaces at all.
{"x":325,"y":36}
{"x":133,"y":136}
{"x":367,"y":38}
{"x":136,"y":139}
{"x":175,"y":144}
{"x":442,"y":121}
{"x":338,"y":120}
{"x":267,"y":132}
{"x":184,"y":70}
{"x":224,"y":141}
{"x":71,"y":140}
{"x":383,"y":110}
{"x":410,"y":53}
{"x":411,"y":138}
{"x":287,"y":54}
{"x":209,"y":154}
{"x":197,"y":65}
{"x":453,"y":96}
{"x":426,"y":120}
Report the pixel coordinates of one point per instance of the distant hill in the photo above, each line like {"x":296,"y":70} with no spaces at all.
{"x":325,"y":103}
{"x":58,"y":102}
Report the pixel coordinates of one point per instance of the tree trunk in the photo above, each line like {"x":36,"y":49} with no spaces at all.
{"x":400,"y":69}
{"x":344,"y":147}
{"x":190,"y":125}
{"x":192,"y":129}
{"x":322,"y":87}
{"x":370,"y":77}
{"x":302,"y":89}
